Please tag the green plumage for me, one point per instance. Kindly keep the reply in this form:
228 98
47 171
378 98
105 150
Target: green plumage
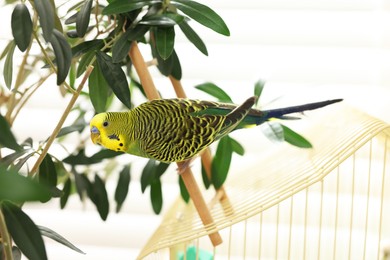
173 130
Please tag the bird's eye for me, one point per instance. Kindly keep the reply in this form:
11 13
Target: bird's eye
105 123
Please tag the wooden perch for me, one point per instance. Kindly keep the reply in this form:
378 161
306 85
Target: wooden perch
187 176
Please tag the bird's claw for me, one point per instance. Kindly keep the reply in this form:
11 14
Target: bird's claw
183 166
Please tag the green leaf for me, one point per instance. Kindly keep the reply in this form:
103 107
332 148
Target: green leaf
160 169
46 17
156 195
21 25
63 54
6 49
70 129
123 187
137 32
72 19
237 147
183 190
28 142
17 188
24 232
193 37
48 176
120 6
205 178
72 75
57 21
121 47
135 84
98 90
65 193
62 172
7 139
148 173
21 162
221 162
47 172
165 40
162 20
8 66
295 139
203 15
115 77
82 19
259 86
72 34
104 154
273 131
176 67
47 232
78 126
164 66
99 197
75 6
83 185
86 47
84 63
12 157
215 91
152 172
82 159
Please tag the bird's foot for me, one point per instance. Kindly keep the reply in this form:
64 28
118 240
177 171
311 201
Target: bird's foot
183 166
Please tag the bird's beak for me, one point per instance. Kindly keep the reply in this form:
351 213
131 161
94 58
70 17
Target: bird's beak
95 135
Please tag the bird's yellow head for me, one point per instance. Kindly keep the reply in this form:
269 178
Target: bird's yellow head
106 133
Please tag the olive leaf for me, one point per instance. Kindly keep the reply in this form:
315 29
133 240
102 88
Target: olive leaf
165 39
21 25
24 232
63 54
123 187
120 6
8 66
115 77
7 139
203 15
46 17
82 18
215 91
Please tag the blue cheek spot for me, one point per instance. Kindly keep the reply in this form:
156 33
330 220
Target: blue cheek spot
94 130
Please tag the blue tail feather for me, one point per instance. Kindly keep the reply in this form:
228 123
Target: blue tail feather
257 117
280 112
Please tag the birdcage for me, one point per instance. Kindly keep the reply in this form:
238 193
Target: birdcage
329 202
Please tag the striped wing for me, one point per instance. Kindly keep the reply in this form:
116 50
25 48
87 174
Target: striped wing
177 129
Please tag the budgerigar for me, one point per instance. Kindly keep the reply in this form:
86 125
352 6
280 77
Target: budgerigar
176 130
